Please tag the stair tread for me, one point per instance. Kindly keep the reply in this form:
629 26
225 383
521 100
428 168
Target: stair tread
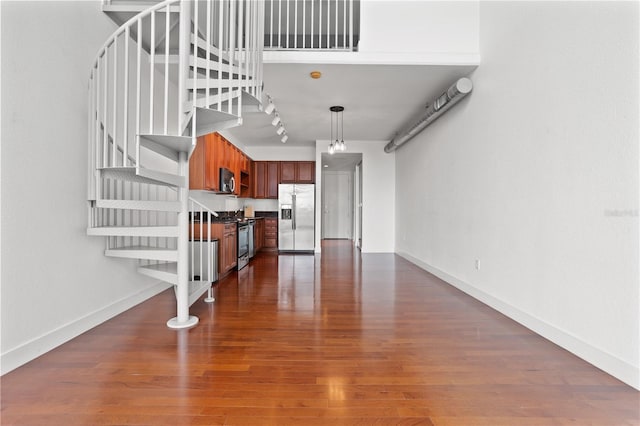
174 143
215 83
143 248
144 252
167 206
210 120
135 231
143 175
170 267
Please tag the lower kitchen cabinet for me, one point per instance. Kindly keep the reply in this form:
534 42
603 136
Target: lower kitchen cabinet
258 235
229 252
271 233
227 236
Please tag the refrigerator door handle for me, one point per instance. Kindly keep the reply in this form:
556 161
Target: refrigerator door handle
293 213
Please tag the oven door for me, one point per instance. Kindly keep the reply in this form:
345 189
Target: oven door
243 240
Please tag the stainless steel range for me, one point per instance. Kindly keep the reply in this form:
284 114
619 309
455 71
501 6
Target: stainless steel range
243 244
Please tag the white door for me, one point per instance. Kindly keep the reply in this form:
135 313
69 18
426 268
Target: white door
337 208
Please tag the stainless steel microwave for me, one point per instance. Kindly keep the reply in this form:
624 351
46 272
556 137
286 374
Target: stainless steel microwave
227 181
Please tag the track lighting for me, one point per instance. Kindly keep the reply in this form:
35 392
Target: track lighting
277 121
270 107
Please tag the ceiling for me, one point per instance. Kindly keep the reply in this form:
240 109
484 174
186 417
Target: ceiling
379 100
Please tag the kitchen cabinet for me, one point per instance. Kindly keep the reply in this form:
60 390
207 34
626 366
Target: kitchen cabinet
258 234
229 258
271 233
297 172
202 164
246 187
212 152
306 172
266 179
226 234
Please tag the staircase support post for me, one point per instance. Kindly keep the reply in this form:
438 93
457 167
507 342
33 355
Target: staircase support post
183 319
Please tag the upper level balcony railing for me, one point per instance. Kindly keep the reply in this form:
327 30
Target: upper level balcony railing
312 25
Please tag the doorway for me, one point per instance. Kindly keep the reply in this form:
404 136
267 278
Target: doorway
337 211
341 194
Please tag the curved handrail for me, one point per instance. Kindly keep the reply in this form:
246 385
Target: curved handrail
129 23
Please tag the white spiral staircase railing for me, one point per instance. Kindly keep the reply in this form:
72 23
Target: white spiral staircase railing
175 71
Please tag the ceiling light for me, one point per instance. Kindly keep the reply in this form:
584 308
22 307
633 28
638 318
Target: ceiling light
284 138
337 144
315 74
270 107
280 130
275 120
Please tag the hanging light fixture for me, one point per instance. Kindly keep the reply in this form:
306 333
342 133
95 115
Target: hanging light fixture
337 144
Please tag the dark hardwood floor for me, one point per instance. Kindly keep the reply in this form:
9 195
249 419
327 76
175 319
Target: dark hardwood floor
325 340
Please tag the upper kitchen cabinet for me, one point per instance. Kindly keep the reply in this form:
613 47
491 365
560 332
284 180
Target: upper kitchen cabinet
266 179
297 172
203 164
212 152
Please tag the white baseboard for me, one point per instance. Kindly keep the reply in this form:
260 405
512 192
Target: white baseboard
611 364
32 349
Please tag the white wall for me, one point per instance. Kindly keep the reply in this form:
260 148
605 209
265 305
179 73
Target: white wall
418 26
535 175
378 197
56 282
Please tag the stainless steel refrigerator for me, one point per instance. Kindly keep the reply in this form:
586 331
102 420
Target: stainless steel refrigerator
296 217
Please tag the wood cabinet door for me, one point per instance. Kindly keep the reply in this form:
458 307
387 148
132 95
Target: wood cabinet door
197 167
230 248
287 172
250 179
305 172
259 179
273 179
212 162
260 241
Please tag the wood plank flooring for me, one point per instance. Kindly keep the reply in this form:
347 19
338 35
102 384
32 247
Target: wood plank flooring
337 339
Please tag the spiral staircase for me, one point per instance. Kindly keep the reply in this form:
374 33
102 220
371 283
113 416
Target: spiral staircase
173 71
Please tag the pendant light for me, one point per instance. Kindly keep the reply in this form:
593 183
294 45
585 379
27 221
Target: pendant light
337 144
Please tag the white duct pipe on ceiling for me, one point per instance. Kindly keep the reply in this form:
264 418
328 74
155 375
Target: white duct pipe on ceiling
435 109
